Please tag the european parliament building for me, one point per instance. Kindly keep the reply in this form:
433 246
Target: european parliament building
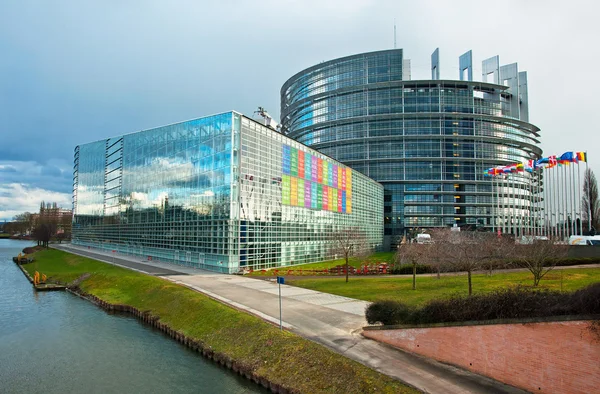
427 141
223 193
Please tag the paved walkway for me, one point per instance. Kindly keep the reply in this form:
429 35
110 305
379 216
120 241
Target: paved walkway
331 320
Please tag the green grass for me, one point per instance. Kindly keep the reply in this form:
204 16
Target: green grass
279 356
374 288
379 257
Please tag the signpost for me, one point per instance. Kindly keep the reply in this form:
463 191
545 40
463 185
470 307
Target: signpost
280 281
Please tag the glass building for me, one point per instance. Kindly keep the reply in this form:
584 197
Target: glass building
427 141
223 193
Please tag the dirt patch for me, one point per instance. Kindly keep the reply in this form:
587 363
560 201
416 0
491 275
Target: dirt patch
32 249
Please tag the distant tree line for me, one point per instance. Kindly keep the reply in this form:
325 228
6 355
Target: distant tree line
51 222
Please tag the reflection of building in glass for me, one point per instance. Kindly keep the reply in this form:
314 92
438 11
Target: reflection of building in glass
427 141
222 192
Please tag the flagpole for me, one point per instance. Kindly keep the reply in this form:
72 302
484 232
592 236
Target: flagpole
538 204
588 196
512 209
548 195
504 205
557 201
579 198
530 228
565 205
546 216
574 191
493 206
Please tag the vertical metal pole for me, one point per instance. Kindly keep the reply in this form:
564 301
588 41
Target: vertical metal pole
564 203
588 196
579 199
556 187
574 203
513 221
493 206
280 323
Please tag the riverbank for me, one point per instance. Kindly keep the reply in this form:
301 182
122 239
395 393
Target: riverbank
246 343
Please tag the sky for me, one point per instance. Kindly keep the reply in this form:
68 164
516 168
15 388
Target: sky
73 72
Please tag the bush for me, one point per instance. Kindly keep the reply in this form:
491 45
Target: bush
513 303
407 269
585 301
387 312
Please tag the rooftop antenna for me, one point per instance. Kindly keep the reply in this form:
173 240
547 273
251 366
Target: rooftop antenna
394 33
267 118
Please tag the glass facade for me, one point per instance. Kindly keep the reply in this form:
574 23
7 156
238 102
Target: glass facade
221 193
428 142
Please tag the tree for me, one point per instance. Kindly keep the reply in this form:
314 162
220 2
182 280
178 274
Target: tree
350 242
413 253
23 222
466 250
44 231
540 257
590 202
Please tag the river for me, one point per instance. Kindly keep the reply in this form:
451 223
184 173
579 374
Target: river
55 342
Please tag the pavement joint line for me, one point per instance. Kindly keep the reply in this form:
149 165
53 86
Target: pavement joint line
237 305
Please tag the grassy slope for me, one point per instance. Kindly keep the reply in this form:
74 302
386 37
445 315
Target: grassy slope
281 357
379 257
400 287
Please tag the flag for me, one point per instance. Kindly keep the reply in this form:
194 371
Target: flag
519 167
567 157
529 165
552 162
581 156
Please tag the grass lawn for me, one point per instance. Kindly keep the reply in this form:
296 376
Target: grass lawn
279 356
373 288
379 257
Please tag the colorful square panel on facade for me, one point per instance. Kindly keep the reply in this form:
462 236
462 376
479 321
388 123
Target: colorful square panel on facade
286 159
307 194
300 192
285 190
319 170
319 196
307 166
294 162
294 191
335 176
300 164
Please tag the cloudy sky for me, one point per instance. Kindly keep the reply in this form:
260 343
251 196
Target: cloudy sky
75 71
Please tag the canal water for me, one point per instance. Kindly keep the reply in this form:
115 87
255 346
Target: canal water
55 342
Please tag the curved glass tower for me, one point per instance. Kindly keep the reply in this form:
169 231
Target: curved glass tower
427 141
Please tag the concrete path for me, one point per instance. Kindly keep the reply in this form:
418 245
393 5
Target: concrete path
331 320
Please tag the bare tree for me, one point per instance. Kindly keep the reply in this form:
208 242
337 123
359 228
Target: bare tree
540 257
350 242
590 202
413 253
23 222
466 250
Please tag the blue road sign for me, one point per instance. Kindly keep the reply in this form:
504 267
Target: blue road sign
281 280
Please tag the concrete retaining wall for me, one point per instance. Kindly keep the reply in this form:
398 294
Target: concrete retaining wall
549 357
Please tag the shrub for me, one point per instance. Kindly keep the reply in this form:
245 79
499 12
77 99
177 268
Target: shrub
407 269
512 303
586 301
387 312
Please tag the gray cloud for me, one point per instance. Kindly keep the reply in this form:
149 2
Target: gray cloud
7 168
